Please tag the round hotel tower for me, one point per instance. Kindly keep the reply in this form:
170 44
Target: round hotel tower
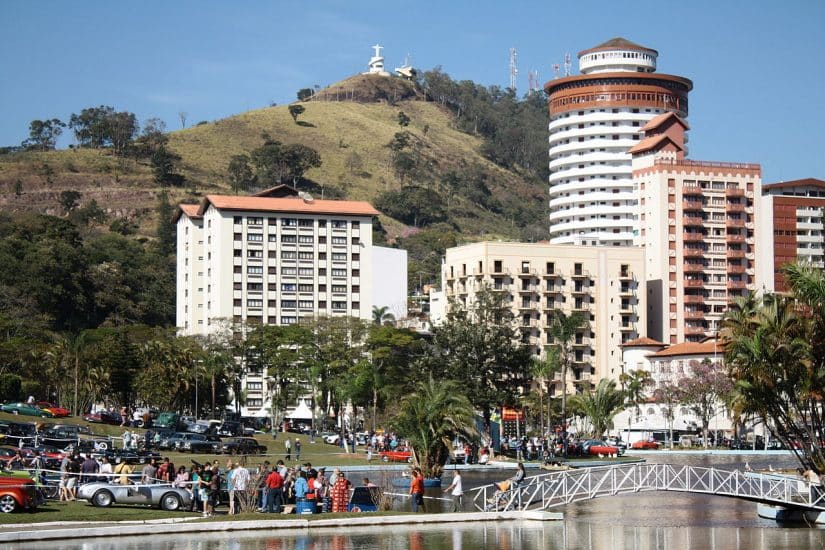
595 118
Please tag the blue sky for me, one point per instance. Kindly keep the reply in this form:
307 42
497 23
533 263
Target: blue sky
758 66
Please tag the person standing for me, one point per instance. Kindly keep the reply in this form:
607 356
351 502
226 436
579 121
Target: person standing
288 446
147 475
340 492
240 482
456 490
297 450
106 469
123 470
275 492
417 490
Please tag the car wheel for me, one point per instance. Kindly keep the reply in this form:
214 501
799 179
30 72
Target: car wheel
170 502
103 446
103 498
7 504
409 459
15 412
385 458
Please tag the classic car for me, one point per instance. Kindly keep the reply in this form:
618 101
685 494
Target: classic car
201 444
27 409
243 446
56 410
644 444
17 433
398 455
103 417
17 491
599 448
106 494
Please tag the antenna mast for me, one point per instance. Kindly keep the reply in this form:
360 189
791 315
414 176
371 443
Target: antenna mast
513 69
533 79
567 64
556 68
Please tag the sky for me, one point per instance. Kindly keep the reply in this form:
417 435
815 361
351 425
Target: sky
758 66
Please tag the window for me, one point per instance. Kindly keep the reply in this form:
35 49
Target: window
238 236
306 255
356 241
254 287
339 224
356 272
322 223
355 257
272 270
339 272
284 321
288 271
250 402
356 289
339 240
237 302
237 253
306 272
289 222
288 239
254 254
305 304
306 288
339 288
255 270
255 304
255 221
288 255
236 220
254 386
237 269
272 303
288 287
306 239
305 223
339 257
322 240
288 304
255 237
339 306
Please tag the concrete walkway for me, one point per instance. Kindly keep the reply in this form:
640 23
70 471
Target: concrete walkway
20 533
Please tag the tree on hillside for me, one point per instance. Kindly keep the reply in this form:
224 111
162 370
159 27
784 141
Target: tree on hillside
121 130
295 111
241 176
43 134
403 119
412 205
304 94
69 200
164 163
275 162
102 126
152 138
166 229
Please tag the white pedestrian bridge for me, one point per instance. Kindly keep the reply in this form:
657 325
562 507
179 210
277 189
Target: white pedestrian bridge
551 490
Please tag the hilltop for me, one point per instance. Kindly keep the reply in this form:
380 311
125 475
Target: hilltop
351 124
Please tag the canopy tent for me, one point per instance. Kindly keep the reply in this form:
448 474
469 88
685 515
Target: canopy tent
302 412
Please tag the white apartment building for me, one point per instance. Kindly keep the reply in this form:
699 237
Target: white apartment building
595 118
606 284
274 258
697 225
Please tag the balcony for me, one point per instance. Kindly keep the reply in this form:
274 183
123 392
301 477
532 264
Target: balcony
737 285
736 223
695 315
525 272
528 306
694 299
736 269
500 271
694 267
583 307
550 306
626 290
734 207
693 221
625 276
694 283
553 275
735 238
734 253
692 205
694 252
581 274
693 236
582 342
627 327
528 289
553 289
528 323
581 290
734 192
689 330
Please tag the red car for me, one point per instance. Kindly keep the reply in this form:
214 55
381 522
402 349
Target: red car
399 455
103 417
17 491
649 445
56 410
599 448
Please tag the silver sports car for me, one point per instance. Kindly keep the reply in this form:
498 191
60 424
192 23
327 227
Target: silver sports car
106 494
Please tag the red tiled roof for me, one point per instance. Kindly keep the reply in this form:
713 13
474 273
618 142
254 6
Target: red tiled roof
287 204
691 348
190 210
281 190
812 182
653 142
658 120
642 342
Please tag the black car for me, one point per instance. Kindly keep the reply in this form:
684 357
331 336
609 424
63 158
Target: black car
243 446
130 456
17 434
205 444
230 428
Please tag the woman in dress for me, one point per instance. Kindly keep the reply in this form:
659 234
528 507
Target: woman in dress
340 492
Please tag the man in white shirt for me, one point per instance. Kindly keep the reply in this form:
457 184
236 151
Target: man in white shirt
456 490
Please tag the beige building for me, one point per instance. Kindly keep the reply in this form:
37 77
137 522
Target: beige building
606 284
697 226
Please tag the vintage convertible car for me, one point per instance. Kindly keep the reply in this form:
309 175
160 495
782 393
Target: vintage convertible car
106 494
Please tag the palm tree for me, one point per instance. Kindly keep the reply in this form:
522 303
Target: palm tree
600 405
634 385
544 370
382 315
563 329
431 418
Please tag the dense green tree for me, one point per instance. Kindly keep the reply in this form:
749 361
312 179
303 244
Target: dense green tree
102 126
403 119
635 385
69 200
166 229
241 176
562 332
599 406
478 345
276 163
431 417
295 111
412 205
304 94
164 163
43 134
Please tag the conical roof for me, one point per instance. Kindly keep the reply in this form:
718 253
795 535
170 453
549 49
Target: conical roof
619 43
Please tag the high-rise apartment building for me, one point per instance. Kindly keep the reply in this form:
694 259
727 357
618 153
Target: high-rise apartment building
605 284
697 227
274 258
595 118
797 233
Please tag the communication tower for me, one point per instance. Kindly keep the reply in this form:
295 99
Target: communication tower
513 69
567 64
533 80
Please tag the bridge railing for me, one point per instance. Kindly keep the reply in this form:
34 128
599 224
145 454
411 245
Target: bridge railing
558 488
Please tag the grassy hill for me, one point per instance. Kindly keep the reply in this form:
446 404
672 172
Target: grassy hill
364 126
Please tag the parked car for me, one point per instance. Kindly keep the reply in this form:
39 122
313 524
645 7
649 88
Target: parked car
17 491
56 410
599 447
17 433
398 455
130 456
230 428
331 438
202 444
645 445
168 420
201 427
26 409
106 494
171 440
103 417
243 446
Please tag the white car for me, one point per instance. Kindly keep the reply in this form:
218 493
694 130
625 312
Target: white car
332 439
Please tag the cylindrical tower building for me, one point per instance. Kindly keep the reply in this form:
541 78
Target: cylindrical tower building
595 118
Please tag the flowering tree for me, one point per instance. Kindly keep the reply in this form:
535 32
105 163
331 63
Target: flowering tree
703 390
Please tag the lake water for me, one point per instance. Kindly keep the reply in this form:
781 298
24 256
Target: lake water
643 521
